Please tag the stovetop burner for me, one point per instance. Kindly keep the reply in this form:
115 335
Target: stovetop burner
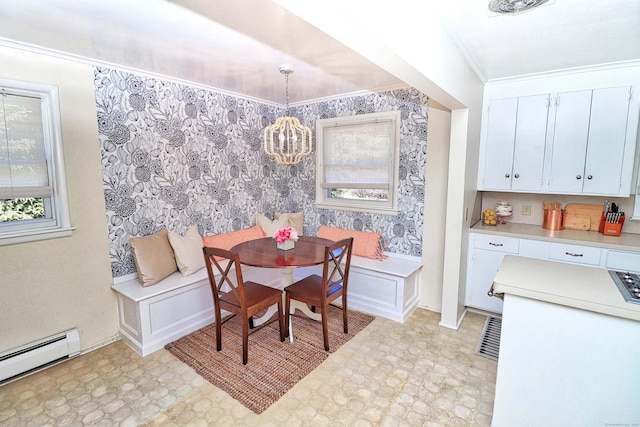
629 285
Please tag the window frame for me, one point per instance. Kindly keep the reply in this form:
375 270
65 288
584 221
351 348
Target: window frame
389 207
58 225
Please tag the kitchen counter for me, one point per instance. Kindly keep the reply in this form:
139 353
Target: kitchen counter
626 241
577 286
568 347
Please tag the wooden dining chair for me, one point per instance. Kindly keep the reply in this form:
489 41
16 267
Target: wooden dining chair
233 294
319 291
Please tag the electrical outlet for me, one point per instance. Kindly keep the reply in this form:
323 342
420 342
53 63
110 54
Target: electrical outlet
526 209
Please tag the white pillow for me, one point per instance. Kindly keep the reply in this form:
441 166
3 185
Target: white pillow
270 227
188 250
296 220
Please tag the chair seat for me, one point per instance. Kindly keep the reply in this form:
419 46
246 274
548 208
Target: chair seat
256 294
309 289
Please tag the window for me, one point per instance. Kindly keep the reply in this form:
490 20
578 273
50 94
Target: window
33 200
357 162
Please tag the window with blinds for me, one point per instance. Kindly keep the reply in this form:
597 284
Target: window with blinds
357 160
33 204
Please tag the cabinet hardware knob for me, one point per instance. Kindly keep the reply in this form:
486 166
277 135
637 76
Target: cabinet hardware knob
495 244
570 254
578 176
517 175
589 176
506 175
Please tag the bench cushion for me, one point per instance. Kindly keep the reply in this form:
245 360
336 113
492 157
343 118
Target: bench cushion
365 243
153 257
232 238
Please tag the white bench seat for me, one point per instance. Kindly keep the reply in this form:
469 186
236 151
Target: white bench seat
153 316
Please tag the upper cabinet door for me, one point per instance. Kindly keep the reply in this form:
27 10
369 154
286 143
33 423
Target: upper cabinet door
499 144
530 142
607 139
515 143
570 141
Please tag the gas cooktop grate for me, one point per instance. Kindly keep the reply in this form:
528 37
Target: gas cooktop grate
489 345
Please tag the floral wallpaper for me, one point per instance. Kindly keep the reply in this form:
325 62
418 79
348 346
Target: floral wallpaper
175 155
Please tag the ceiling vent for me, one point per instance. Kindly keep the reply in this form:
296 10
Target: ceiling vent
514 6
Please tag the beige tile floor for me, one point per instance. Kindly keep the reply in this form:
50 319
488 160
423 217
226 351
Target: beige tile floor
390 374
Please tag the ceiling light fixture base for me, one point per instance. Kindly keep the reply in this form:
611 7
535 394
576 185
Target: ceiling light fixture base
511 7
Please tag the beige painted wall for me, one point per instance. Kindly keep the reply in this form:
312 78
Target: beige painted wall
435 208
53 285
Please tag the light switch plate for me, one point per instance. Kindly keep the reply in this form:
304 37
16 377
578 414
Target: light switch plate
526 209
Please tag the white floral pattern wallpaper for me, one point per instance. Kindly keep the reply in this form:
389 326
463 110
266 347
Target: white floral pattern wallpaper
175 155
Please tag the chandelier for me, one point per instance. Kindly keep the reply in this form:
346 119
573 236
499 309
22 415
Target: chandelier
287 140
514 6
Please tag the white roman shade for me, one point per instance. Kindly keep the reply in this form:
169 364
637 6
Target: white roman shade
358 155
23 159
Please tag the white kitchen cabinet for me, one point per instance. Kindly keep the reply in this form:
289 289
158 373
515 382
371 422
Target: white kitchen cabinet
515 142
485 256
590 141
486 252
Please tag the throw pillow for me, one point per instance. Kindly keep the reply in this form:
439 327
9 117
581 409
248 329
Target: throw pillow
153 257
365 243
296 220
232 238
270 227
187 250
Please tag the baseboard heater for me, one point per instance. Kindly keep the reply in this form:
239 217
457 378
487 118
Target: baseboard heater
39 354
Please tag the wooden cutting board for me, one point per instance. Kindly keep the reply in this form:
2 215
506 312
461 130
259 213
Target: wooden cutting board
594 212
577 222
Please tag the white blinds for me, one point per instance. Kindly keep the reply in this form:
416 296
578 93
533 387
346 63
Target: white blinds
358 155
23 161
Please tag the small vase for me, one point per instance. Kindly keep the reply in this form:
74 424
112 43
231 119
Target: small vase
286 245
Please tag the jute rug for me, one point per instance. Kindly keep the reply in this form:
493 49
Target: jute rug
273 367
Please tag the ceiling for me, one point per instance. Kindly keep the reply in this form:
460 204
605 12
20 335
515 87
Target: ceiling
238 46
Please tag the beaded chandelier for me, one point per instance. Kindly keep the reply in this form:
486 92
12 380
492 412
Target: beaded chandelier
287 140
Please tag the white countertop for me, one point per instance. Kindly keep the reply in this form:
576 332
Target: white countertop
626 241
586 288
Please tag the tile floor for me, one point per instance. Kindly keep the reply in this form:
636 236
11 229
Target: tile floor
391 374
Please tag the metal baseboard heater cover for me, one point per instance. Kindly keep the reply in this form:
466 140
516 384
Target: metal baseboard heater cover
39 354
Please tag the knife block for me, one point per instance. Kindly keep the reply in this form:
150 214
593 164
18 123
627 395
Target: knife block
611 228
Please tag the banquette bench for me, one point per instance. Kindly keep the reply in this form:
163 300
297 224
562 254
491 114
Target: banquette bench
153 316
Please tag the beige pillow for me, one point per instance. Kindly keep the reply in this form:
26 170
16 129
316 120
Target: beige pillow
153 257
296 220
188 250
269 227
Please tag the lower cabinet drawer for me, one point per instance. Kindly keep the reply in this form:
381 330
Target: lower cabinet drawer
575 254
623 261
496 243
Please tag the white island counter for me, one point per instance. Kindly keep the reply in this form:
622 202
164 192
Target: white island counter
569 349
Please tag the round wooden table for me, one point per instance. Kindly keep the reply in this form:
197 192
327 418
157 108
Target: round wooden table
308 251
263 252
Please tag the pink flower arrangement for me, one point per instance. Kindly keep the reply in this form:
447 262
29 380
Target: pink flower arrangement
284 234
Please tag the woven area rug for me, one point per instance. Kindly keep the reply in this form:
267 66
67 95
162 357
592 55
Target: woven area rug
273 367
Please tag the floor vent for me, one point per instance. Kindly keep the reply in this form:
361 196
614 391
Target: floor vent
489 345
39 354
